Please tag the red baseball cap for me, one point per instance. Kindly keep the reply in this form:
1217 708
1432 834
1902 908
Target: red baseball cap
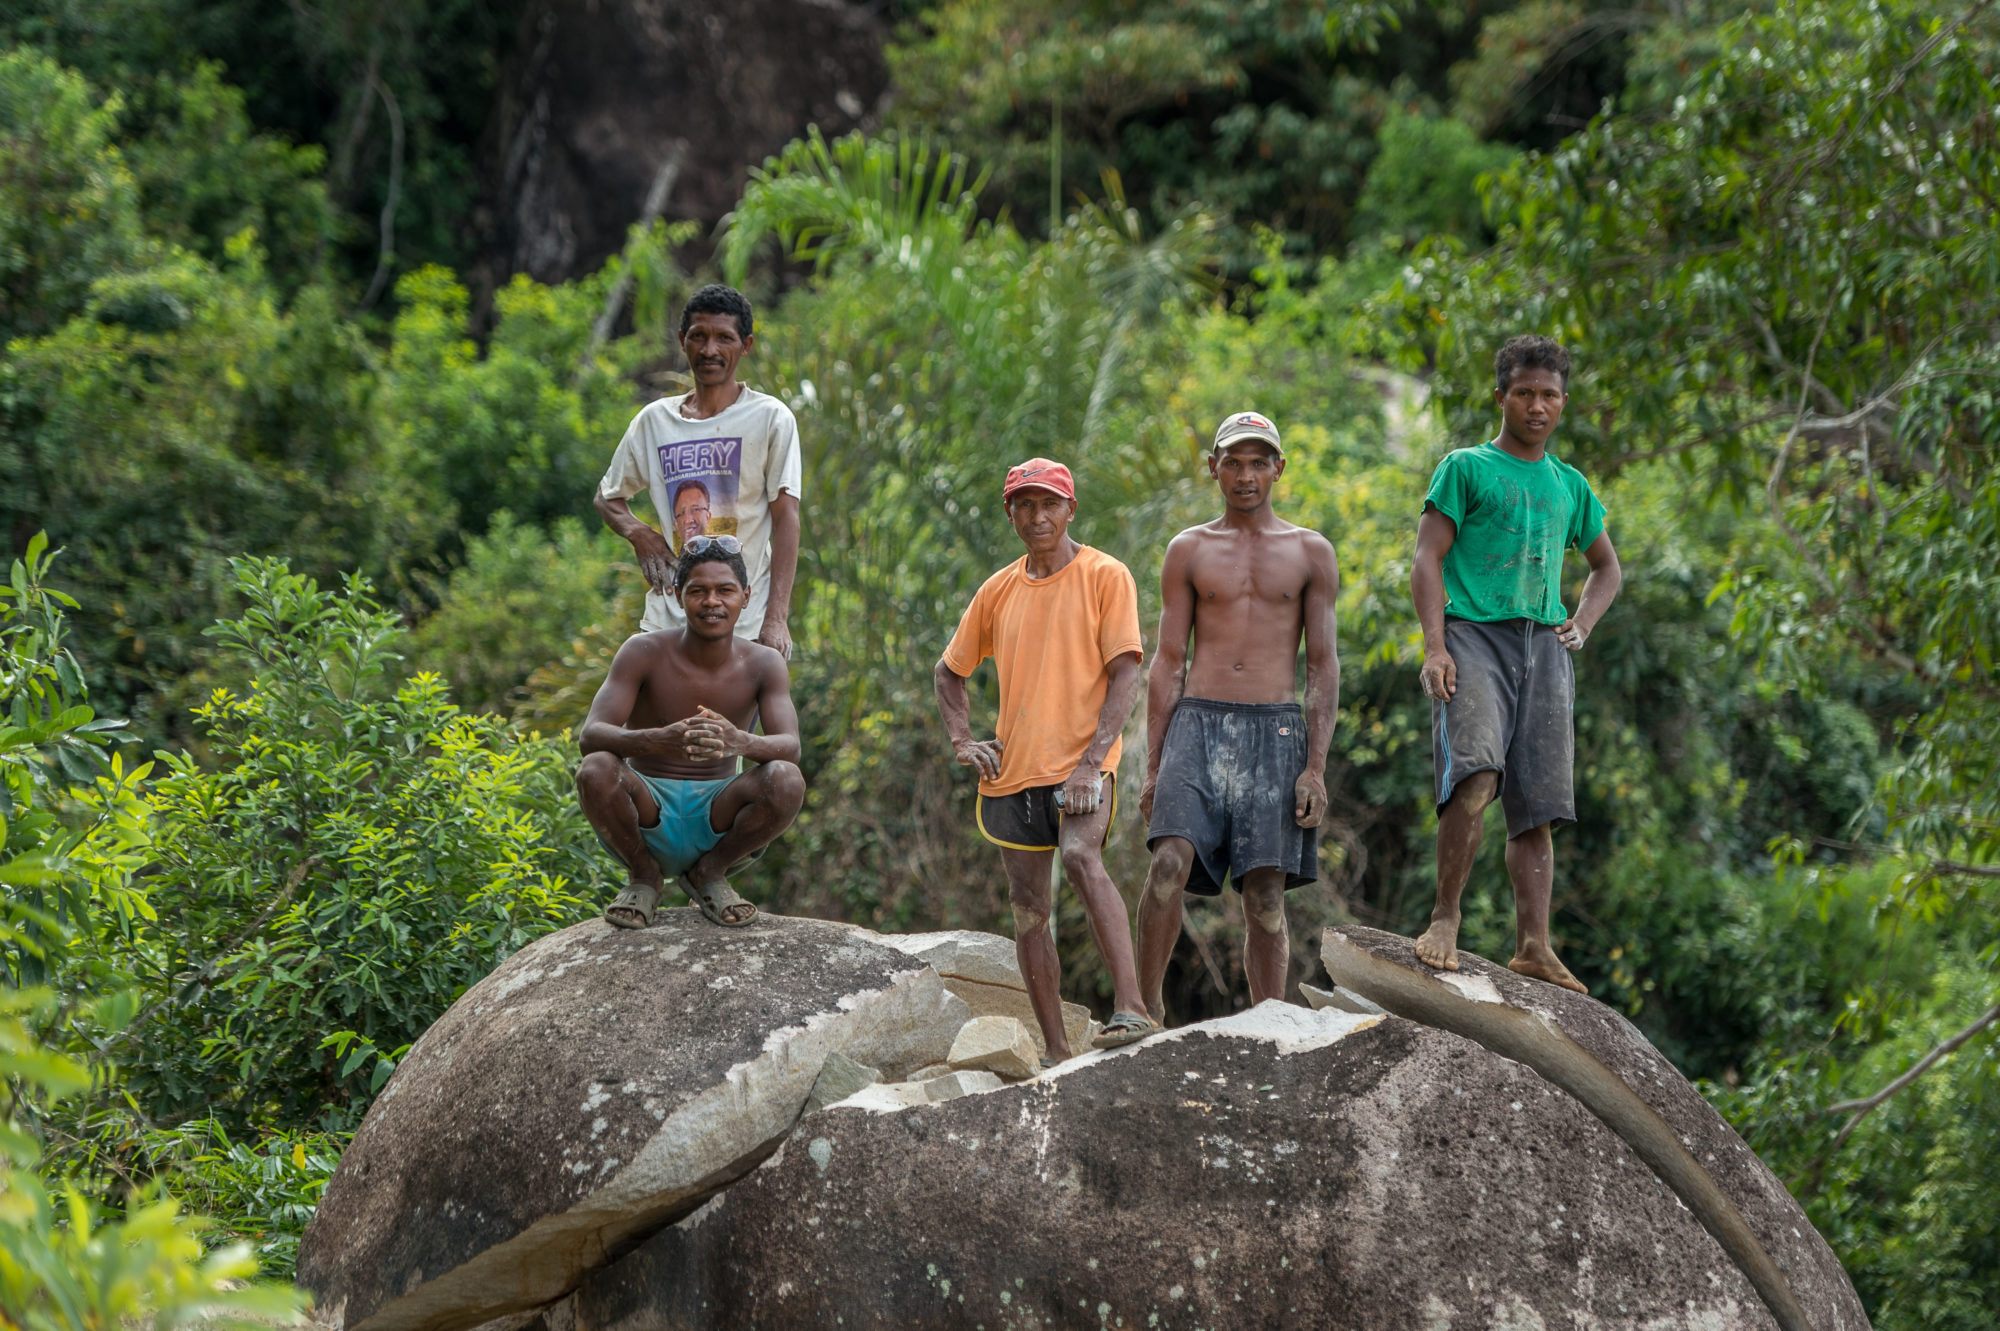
1039 474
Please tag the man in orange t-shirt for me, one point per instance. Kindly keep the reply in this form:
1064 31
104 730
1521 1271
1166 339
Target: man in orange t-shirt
1062 626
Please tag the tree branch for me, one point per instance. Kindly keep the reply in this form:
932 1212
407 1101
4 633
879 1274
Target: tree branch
387 254
1969 870
1863 1107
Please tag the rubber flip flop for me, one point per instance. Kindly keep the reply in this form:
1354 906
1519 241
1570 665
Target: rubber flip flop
638 898
1125 1028
717 897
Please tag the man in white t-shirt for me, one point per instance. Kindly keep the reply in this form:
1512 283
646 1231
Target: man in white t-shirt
720 461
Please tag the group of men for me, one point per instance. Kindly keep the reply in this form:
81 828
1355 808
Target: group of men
1235 782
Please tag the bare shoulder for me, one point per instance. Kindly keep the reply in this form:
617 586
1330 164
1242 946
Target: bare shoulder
641 650
764 664
1314 541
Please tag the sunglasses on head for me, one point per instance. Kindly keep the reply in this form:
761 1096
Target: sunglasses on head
729 545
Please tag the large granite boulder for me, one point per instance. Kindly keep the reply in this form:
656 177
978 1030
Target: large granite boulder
1602 1060
599 1084
1277 1168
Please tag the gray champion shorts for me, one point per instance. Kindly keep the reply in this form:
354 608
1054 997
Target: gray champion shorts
1511 715
1227 783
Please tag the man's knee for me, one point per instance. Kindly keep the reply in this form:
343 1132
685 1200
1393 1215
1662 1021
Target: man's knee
1264 906
1473 793
1030 915
1172 859
1080 861
597 774
784 785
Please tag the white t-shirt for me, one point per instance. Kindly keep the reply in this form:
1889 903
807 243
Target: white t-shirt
710 477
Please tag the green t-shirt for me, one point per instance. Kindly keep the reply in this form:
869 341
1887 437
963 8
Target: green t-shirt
1514 521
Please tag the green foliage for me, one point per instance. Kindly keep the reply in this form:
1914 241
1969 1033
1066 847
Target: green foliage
518 603
64 1264
68 206
349 859
525 425
66 1267
262 1192
56 874
1424 181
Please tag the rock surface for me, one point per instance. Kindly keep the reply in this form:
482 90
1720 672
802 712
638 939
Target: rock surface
598 93
981 969
838 1078
995 1044
1277 1168
599 1084
1601 1059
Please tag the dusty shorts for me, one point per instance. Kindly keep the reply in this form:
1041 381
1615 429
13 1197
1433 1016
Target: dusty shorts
1029 819
1228 784
1511 715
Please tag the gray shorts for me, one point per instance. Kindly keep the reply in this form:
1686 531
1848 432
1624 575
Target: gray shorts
1227 783
1511 715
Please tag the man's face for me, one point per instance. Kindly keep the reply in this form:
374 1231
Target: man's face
690 513
1041 518
712 598
1246 471
1532 404
713 346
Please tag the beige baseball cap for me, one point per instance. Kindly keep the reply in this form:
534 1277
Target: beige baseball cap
1246 425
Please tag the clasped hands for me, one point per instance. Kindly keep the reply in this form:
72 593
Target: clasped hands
706 737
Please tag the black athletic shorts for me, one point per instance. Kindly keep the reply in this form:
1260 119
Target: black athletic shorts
1511 714
1228 783
1029 819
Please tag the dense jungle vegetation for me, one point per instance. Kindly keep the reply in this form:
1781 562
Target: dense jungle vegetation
306 590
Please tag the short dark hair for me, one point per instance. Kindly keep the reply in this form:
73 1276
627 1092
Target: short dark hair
691 560
717 299
1530 351
685 486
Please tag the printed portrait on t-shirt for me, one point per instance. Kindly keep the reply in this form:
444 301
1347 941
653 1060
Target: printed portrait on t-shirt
701 477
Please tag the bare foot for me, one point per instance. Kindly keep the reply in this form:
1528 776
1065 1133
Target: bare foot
1538 961
1156 1008
1438 947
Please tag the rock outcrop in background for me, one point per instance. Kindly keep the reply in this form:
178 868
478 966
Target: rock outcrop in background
600 94
683 1127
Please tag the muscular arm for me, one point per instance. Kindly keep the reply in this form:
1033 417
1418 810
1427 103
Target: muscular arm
656 561
1169 677
956 709
1435 534
1600 589
776 632
780 740
604 729
1322 679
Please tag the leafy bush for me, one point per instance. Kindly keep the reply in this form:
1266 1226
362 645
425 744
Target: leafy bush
348 860
518 603
64 1267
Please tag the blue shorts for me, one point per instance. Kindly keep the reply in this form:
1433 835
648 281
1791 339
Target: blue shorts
684 833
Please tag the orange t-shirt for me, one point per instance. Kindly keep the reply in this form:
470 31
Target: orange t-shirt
1051 640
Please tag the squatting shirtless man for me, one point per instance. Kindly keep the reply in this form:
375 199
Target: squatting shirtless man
1235 771
1487 582
661 744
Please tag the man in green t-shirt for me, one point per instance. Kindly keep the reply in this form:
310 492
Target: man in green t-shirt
1487 580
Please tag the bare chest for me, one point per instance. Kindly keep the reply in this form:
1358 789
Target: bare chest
674 691
1261 577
